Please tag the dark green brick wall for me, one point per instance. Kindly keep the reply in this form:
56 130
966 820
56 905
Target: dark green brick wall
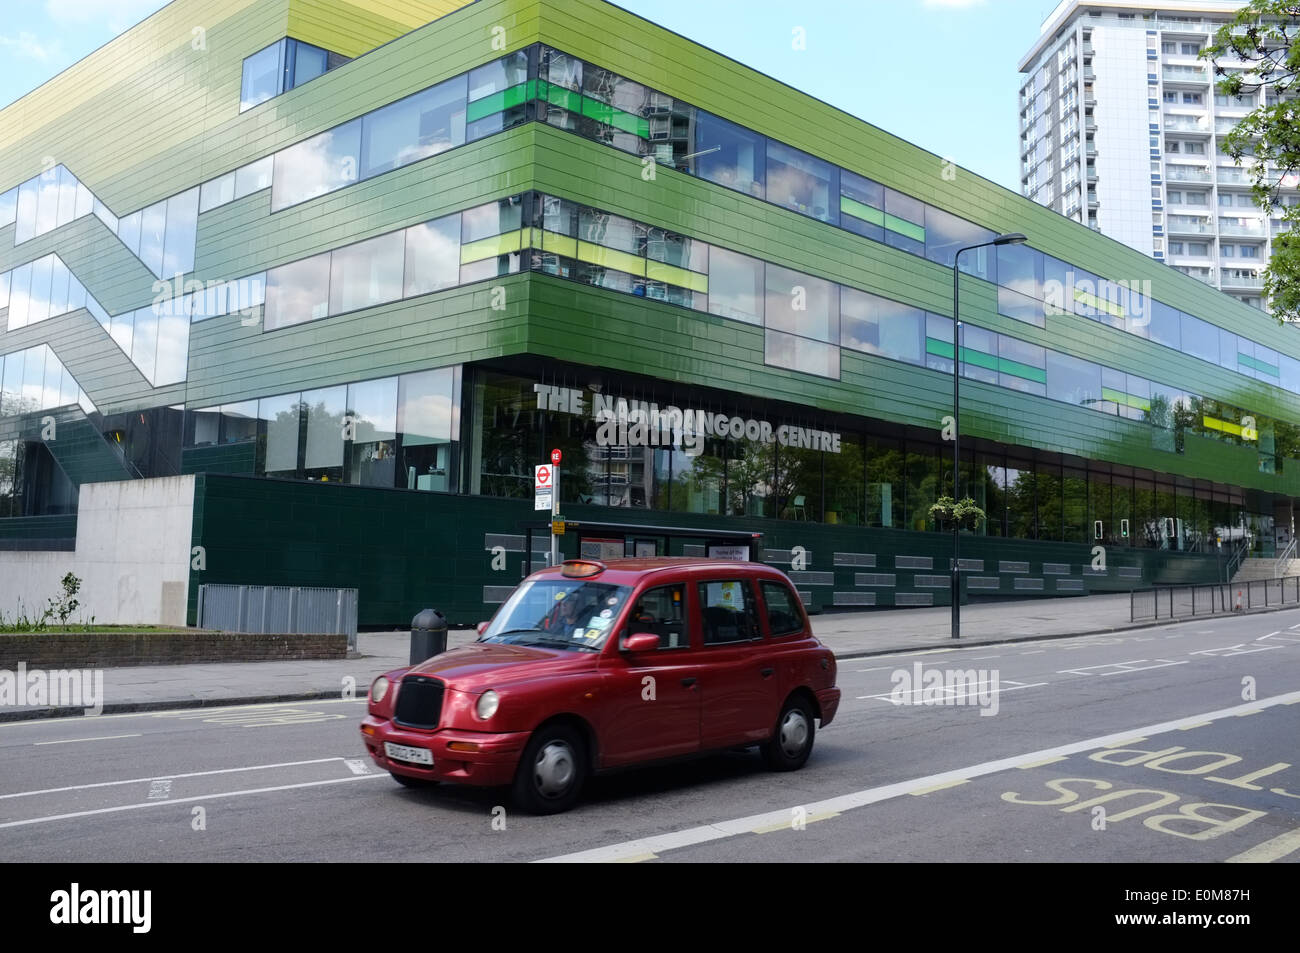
405 550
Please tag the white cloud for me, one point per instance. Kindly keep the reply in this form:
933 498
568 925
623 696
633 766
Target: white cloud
115 15
28 46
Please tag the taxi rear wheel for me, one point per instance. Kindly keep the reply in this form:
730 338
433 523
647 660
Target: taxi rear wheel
552 771
792 737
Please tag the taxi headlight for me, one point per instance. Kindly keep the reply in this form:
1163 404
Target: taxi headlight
487 704
378 689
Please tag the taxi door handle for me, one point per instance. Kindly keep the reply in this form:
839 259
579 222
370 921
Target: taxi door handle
689 682
766 672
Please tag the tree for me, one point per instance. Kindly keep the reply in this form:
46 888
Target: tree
1258 52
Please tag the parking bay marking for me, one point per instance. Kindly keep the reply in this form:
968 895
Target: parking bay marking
720 830
169 777
47 722
182 800
1120 667
952 696
70 741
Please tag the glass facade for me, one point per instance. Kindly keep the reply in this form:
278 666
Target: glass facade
280 67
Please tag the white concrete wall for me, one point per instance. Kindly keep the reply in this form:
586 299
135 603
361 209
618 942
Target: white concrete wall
132 555
1123 135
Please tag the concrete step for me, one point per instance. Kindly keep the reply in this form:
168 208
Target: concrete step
1265 567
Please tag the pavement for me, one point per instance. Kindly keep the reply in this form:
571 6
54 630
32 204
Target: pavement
849 634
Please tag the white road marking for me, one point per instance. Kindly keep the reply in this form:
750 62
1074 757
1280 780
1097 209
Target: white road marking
184 800
38 722
357 765
160 790
72 741
980 658
652 846
192 774
1228 651
1120 668
1035 652
954 697
879 668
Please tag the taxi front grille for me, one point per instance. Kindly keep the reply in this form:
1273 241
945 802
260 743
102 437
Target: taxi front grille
419 702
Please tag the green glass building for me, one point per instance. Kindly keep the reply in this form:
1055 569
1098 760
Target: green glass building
358 266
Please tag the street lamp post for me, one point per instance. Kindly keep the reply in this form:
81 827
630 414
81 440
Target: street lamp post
1011 238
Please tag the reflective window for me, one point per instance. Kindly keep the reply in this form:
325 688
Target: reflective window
182 233
802 183
497 96
945 234
432 256
979 354
153 235
128 230
8 207
263 76
728 154
801 354
254 177
862 206
317 165
879 326
425 407
173 345
144 343
372 416
1022 366
308 63
802 304
297 292
1021 307
325 410
414 128
1073 380
367 273
280 416
217 192
1199 338
39 300
736 287
904 222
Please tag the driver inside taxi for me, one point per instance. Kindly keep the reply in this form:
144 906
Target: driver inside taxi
564 618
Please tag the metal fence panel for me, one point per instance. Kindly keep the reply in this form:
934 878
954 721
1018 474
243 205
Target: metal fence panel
288 609
1186 602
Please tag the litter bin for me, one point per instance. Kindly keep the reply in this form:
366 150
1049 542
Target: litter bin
428 635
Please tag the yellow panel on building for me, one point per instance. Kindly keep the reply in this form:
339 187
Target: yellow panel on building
354 27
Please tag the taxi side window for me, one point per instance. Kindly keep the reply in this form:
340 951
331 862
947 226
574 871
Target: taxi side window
783 616
662 612
727 612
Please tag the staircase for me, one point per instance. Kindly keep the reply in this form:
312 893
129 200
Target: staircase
1285 563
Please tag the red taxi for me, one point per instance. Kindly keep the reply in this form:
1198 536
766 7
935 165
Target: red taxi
592 666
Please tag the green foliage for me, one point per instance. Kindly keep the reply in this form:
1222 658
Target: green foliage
966 514
59 607
1265 38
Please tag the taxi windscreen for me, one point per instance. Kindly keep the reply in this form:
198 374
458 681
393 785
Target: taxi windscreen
572 614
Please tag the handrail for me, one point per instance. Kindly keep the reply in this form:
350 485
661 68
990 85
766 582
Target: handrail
1287 555
1235 559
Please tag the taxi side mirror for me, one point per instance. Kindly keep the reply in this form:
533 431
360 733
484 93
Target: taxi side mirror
641 642
482 627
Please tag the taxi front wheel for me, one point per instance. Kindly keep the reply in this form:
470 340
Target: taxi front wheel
551 772
792 737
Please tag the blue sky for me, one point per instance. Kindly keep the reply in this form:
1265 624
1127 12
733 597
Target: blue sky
940 73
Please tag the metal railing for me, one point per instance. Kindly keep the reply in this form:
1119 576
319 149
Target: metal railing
1284 559
279 609
1238 553
1186 602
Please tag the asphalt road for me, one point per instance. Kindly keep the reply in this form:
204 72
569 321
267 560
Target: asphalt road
1179 743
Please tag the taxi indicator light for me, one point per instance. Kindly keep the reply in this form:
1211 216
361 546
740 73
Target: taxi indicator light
581 568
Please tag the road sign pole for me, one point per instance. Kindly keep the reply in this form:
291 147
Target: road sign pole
555 511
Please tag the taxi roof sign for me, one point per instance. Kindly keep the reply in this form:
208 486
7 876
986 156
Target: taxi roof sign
581 568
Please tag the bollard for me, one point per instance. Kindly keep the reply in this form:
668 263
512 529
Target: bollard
428 635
